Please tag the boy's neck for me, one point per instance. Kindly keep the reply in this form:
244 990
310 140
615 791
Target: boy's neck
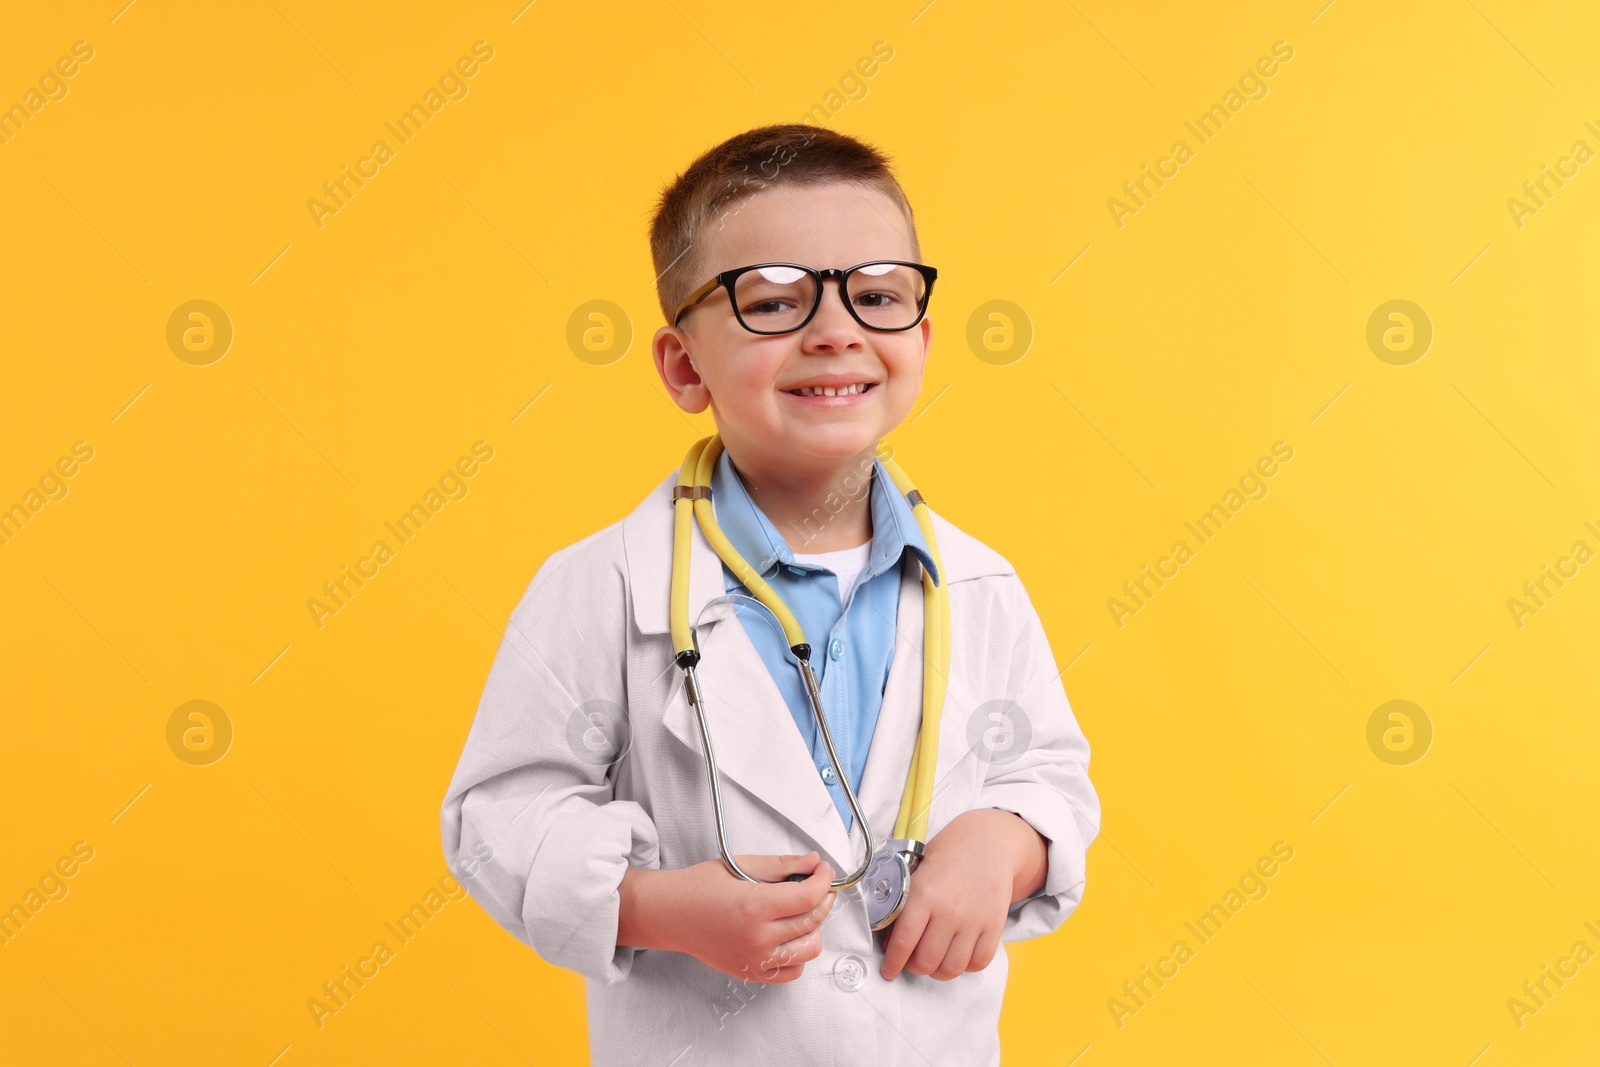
822 510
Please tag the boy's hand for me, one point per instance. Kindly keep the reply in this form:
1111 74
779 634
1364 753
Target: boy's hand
756 933
973 870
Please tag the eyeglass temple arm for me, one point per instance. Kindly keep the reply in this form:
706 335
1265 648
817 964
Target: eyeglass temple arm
695 297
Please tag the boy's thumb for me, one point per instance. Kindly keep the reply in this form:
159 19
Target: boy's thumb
780 868
805 867
800 867
784 868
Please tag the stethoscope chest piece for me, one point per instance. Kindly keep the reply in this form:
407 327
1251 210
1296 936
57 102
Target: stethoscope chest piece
888 881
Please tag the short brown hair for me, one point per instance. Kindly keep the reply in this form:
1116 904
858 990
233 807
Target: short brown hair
744 165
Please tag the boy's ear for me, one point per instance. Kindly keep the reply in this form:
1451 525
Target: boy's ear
926 326
677 371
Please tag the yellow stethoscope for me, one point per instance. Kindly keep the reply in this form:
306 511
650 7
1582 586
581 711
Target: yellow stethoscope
885 873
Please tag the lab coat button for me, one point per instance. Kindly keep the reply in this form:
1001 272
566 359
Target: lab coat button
835 649
849 973
828 775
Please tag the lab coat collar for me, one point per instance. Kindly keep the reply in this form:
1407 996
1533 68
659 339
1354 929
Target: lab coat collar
647 543
894 527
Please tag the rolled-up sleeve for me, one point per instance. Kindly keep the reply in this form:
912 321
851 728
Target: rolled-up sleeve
530 824
1046 780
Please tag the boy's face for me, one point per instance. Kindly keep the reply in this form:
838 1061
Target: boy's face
750 381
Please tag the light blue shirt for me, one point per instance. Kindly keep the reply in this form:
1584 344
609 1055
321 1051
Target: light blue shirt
852 642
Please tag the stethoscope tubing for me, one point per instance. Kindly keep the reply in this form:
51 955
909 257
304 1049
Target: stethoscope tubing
692 689
692 506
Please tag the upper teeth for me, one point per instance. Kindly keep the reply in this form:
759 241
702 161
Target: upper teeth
825 390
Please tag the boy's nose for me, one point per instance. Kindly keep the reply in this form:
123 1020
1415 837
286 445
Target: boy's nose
832 328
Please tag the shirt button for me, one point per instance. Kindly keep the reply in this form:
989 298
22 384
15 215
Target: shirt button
849 973
828 775
835 649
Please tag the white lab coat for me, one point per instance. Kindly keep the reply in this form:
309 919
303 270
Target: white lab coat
559 827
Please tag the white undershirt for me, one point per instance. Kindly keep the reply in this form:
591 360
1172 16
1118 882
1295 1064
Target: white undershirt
847 564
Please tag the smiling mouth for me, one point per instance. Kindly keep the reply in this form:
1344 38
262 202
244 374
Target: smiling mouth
828 390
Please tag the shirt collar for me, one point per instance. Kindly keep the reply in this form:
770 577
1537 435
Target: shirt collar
894 527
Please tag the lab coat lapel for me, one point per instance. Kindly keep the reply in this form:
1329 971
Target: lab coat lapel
899 718
753 734
895 736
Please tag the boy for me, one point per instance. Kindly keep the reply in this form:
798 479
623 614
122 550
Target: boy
583 779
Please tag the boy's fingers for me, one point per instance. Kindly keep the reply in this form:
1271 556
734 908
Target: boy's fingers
804 922
983 952
903 938
782 974
799 950
957 956
932 947
795 899
789 956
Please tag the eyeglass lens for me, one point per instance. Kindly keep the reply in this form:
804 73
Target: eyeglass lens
885 296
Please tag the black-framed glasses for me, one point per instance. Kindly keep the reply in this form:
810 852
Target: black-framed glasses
772 298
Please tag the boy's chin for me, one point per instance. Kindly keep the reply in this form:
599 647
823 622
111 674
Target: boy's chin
832 442
815 450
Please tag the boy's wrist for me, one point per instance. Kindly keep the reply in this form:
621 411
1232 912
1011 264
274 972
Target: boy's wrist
1023 846
639 918
1032 860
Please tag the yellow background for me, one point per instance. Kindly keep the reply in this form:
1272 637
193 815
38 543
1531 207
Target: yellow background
1227 314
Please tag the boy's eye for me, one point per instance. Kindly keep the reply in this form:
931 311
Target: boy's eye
773 306
878 299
